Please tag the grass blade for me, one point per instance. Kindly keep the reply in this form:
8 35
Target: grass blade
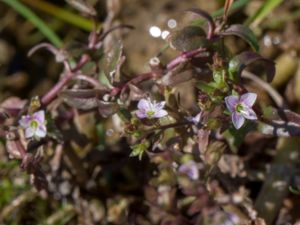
35 20
61 14
262 12
235 6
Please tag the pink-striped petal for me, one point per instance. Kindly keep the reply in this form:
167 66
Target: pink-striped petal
248 99
160 105
25 121
161 113
141 114
144 104
238 120
39 116
231 102
29 132
41 131
249 113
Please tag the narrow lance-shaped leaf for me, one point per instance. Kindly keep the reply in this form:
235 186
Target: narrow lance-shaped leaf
243 32
89 99
82 99
241 61
111 64
262 12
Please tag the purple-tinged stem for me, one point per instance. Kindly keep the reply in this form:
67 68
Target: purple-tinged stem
52 93
135 80
88 79
184 57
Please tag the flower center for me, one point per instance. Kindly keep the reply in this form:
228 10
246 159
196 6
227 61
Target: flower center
34 124
150 113
239 108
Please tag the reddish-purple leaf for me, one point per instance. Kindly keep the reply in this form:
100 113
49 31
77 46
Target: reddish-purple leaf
188 38
88 100
106 109
172 79
243 32
203 140
208 18
241 61
81 99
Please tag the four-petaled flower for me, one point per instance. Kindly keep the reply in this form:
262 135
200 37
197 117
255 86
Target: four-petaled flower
190 169
34 125
150 110
241 108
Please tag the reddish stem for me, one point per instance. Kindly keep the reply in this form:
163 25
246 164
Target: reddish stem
135 80
52 93
184 57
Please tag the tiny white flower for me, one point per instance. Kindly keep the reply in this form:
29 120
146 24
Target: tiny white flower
34 125
241 108
150 110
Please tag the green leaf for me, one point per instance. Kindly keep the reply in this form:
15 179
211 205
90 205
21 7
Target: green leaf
35 20
139 149
206 87
243 32
262 12
294 190
219 78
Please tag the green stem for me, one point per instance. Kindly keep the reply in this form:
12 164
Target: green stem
35 20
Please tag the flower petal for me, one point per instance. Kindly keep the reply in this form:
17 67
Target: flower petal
159 105
248 113
41 131
161 113
144 104
39 116
231 102
248 99
29 132
141 114
190 169
238 120
25 121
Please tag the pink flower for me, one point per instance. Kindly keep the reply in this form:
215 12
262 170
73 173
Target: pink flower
241 108
194 119
34 125
150 110
190 169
